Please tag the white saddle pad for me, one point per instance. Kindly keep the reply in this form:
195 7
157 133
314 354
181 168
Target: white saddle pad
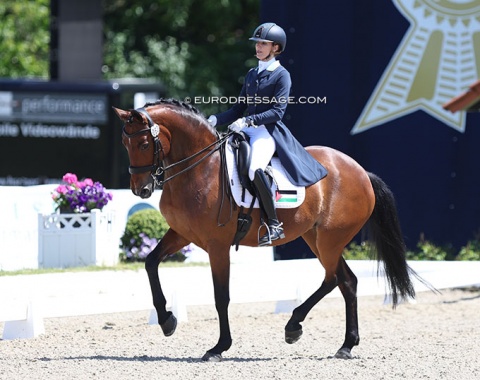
287 195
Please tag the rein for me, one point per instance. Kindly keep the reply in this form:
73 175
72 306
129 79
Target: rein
219 143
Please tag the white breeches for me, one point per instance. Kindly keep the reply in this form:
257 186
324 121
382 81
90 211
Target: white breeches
263 148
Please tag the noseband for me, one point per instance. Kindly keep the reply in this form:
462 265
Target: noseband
156 170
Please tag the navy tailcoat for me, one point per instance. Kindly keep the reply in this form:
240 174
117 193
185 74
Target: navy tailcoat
264 97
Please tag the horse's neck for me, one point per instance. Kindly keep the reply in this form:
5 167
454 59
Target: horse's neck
187 142
199 173
187 139
184 134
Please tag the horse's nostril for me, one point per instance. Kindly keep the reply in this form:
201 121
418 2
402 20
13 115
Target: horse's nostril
145 193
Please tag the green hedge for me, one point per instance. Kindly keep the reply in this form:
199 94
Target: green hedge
426 250
146 227
143 230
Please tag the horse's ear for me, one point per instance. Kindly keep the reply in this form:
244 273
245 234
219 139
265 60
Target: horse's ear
123 115
137 115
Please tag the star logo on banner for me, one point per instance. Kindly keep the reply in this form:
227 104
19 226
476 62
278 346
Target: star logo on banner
438 58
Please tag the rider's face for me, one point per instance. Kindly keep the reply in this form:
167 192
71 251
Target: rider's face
264 50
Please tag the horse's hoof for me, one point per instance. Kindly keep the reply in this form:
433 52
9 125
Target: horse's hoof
169 326
293 336
212 358
343 353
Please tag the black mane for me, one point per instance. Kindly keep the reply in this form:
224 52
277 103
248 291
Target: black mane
184 108
174 102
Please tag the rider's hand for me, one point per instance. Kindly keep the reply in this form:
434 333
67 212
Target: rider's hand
212 120
238 125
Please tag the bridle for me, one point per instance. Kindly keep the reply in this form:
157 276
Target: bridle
154 129
157 169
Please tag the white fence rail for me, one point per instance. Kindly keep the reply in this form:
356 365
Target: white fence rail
255 277
31 298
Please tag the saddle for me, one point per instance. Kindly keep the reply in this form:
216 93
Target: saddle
237 159
243 157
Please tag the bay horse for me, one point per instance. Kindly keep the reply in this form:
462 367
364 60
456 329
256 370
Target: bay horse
174 138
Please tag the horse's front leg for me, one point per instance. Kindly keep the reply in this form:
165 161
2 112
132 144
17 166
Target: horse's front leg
220 266
169 244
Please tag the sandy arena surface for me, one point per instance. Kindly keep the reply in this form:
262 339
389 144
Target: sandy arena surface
434 338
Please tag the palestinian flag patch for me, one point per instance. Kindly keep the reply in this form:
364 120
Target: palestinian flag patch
286 196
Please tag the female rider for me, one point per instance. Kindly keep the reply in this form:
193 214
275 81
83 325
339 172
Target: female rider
264 97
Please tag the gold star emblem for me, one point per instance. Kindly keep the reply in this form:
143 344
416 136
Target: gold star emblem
438 58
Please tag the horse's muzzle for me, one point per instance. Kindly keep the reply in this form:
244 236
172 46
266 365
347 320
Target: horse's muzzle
145 192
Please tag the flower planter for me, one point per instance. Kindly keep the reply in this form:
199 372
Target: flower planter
73 240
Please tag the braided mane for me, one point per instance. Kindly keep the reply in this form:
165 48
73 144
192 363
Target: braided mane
185 109
174 102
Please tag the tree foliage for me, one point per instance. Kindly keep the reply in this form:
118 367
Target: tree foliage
24 38
194 47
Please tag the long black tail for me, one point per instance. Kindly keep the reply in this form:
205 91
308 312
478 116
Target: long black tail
387 239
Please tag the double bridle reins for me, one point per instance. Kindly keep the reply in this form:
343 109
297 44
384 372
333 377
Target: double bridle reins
157 169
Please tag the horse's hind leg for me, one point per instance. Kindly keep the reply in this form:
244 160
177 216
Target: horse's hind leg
293 329
338 273
347 283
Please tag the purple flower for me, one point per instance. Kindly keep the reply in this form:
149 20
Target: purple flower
140 248
80 196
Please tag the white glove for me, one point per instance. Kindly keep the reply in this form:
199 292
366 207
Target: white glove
238 125
212 120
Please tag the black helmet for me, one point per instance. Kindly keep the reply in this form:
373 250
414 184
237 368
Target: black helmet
270 32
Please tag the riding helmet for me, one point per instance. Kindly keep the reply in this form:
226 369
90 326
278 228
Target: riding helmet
270 32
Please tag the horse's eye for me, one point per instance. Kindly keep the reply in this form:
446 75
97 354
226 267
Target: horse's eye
144 146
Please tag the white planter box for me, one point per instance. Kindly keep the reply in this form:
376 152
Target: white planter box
73 240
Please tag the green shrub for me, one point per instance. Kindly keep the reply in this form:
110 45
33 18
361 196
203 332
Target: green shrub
149 221
471 252
354 251
429 252
426 250
143 230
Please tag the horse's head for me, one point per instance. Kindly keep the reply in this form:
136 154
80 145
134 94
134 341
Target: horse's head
147 136
146 148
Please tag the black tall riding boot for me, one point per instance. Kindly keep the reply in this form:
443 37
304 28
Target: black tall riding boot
264 194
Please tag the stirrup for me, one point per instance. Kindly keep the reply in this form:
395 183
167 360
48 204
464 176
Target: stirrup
274 232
